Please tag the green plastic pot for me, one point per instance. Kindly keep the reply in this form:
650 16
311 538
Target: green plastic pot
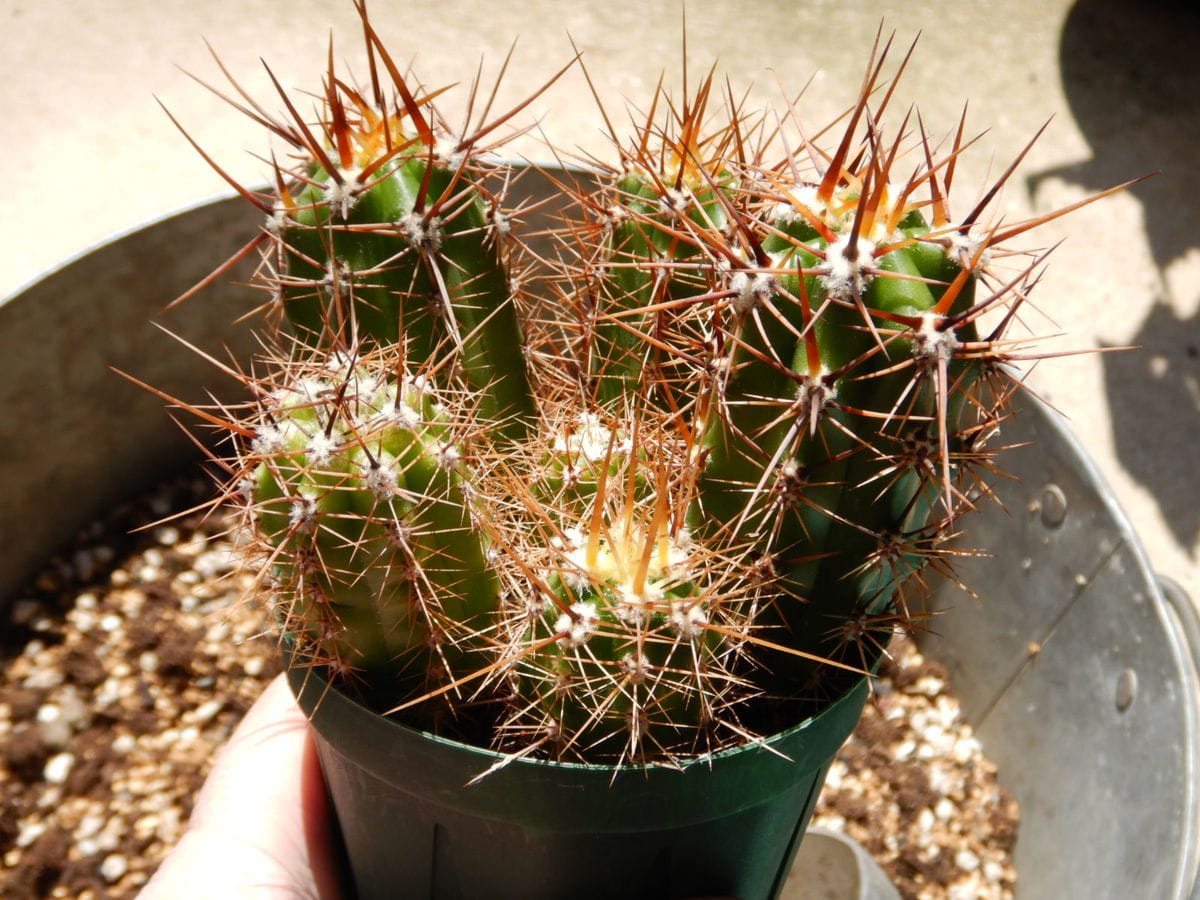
727 825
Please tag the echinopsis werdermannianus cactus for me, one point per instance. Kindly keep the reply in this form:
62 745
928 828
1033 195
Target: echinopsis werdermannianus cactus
667 500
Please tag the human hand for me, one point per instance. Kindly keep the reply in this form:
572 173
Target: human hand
260 827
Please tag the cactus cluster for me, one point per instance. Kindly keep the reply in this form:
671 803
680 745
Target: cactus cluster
646 494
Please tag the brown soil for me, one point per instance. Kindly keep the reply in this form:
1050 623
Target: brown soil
132 657
913 786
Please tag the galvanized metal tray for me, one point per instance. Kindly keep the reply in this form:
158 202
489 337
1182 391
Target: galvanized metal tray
1077 668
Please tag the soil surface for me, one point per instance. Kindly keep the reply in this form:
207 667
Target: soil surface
131 658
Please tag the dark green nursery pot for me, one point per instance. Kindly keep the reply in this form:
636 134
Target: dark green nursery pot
725 826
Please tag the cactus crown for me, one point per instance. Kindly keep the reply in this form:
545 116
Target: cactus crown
651 492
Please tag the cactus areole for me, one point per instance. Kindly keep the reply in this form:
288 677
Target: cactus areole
657 485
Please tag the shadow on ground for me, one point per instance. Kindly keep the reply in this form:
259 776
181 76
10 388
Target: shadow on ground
1131 73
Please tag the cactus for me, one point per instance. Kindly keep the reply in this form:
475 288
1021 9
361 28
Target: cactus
356 491
675 499
395 241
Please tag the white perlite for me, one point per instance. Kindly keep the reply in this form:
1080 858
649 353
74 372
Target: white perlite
58 767
114 867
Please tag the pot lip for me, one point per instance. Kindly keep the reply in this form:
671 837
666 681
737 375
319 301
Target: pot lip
115 237
305 678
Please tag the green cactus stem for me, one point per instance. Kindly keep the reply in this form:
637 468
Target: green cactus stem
409 251
671 502
388 230
819 326
358 488
632 631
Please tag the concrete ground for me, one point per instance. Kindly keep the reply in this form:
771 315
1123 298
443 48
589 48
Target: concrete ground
88 151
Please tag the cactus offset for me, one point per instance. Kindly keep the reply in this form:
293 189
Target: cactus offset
665 506
355 490
388 235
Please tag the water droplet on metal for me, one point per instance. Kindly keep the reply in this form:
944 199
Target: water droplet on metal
1126 689
1054 506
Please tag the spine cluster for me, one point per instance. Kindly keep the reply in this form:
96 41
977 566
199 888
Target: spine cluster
687 485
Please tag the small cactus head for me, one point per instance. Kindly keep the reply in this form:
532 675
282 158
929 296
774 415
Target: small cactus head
354 482
671 496
627 632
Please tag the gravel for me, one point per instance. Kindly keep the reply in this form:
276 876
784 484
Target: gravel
913 786
131 658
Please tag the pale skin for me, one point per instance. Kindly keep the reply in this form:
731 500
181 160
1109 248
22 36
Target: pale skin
260 827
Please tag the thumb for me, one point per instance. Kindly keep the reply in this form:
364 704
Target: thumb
260 827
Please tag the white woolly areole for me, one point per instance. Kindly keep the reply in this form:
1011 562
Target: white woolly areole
723 265
635 666
372 393
320 448
446 151
342 193
676 201
721 367
789 470
965 246
448 456
379 475
845 278
577 572
752 290
277 220
932 344
285 435
303 514
818 385
570 475
681 546
423 233
578 625
387 405
416 388
569 539
310 390
501 223
614 216
589 438
269 440
688 618
813 394
338 365
787 211
402 415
